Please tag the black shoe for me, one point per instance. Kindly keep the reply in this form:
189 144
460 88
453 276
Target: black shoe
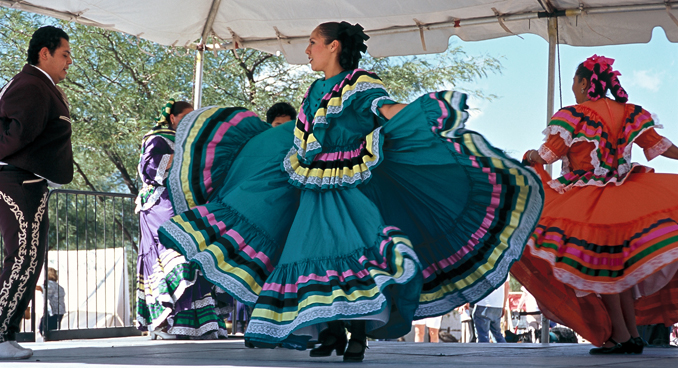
357 356
640 344
331 342
628 347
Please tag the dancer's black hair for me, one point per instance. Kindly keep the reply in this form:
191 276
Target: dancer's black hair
352 40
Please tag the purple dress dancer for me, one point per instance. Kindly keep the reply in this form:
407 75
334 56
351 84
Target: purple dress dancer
172 298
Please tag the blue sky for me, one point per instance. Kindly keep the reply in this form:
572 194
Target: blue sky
515 120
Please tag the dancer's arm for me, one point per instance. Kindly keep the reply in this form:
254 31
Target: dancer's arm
672 152
534 157
391 110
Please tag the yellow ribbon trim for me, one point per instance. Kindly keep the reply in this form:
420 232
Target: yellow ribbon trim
336 172
314 299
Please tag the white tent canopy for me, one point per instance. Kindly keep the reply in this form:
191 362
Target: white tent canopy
396 27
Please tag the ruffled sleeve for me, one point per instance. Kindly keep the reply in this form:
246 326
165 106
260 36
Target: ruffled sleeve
559 134
362 91
376 100
652 143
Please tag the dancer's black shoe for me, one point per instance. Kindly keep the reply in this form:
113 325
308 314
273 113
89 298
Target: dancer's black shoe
356 356
640 345
628 347
330 342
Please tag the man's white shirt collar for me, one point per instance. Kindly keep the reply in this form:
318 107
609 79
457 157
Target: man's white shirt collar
45 73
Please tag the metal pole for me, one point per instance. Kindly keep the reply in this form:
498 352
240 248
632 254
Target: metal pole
197 85
550 93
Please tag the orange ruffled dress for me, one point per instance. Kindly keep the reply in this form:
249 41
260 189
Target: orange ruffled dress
608 224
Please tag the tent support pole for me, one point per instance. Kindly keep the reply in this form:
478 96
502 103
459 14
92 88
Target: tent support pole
551 89
550 94
197 83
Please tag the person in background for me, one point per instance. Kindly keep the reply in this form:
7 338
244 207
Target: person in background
173 300
56 296
35 151
488 312
433 324
528 301
242 316
280 113
467 328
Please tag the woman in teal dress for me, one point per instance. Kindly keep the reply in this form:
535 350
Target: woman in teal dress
364 213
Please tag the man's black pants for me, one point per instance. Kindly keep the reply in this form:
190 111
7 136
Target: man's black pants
24 226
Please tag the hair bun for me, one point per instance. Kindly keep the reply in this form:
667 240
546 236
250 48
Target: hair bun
353 34
352 39
165 112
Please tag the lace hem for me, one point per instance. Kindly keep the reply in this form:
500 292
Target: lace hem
362 309
631 279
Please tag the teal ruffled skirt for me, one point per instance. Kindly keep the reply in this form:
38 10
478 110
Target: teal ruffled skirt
438 223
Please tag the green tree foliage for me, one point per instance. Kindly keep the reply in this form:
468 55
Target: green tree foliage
118 83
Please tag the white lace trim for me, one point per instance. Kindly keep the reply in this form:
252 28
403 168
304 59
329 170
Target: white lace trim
309 147
659 148
334 110
206 301
199 332
613 287
181 239
150 202
569 141
359 87
178 199
547 155
162 171
280 332
210 270
375 103
225 281
629 147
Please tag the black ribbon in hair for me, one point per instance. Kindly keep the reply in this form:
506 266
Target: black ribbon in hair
354 34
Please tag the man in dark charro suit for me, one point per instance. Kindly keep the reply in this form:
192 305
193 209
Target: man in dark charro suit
35 150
